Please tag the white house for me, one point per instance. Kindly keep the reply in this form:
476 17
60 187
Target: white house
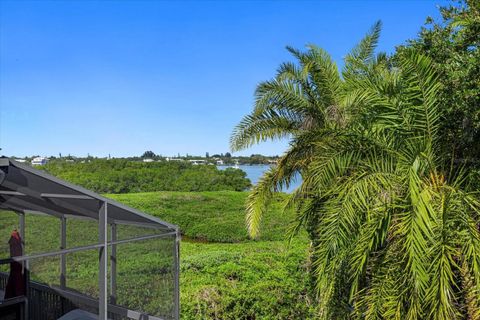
39 161
197 162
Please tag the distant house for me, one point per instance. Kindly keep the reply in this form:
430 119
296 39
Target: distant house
197 162
39 161
174 159
148 160
220 162
20 160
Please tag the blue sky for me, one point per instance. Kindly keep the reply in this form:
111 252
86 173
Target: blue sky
122 77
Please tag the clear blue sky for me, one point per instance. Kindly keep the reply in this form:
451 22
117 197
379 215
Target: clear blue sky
119 78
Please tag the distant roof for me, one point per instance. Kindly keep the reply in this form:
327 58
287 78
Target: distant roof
25 189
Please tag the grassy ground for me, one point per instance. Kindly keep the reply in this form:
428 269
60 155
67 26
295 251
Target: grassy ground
223 274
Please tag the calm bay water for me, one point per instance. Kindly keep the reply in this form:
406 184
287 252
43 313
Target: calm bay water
255 172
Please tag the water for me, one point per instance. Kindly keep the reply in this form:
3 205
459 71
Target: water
255 172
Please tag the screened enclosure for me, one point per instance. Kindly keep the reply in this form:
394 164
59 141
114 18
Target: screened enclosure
68 253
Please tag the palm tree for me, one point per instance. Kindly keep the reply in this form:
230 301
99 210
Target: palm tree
303 101
395 234
398 235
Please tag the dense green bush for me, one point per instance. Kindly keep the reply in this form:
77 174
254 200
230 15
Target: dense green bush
122 176
453 44
210 216
255 280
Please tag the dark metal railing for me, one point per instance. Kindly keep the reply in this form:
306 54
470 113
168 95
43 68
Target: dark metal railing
47 303
44 303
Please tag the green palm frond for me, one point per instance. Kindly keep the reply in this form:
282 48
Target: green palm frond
324 76
276 178
256 128
280 95
422 92
357 61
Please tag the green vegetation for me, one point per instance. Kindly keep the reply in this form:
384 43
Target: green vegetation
453 46
251 280
122 176
385 197
242 280
209 216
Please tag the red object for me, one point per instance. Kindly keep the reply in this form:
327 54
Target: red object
16 280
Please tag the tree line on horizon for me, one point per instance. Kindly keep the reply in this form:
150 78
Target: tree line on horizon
124 176
227 158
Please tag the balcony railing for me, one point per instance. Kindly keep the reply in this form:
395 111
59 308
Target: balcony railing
50 303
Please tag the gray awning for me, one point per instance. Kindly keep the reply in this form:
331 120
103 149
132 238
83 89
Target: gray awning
25 189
